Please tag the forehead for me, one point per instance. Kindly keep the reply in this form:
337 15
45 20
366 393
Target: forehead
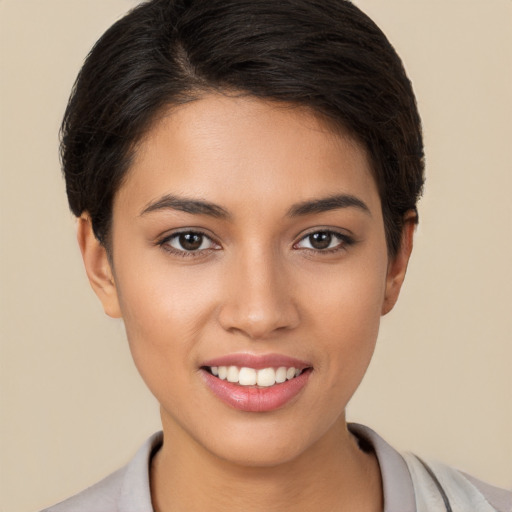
222 147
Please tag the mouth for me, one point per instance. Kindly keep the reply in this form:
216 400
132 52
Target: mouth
256 384
247 376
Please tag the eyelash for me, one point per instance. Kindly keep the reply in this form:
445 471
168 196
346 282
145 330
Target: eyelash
343 242
164 243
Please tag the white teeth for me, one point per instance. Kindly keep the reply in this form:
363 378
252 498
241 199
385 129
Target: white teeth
280 374
245 376
266 377
223 372
290 373
233 373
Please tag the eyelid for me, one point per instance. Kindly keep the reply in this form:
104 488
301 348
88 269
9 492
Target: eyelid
163 242
345 239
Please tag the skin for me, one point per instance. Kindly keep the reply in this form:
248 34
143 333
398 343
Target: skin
256 285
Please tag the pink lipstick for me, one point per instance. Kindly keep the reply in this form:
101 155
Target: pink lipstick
256 383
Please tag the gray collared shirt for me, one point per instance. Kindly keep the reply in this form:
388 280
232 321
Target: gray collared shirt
128 489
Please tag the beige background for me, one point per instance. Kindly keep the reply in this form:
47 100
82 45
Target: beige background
73 407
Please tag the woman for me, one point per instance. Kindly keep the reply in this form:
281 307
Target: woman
245 176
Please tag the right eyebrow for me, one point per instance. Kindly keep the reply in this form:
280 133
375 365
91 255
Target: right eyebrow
184 204
325 204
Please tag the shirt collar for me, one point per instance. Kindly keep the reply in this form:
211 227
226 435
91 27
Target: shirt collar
135 493
397 483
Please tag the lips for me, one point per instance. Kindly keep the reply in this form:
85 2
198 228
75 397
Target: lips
256 383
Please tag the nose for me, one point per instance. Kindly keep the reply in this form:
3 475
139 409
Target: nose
258 297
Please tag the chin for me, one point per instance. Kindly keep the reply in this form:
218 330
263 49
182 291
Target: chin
266 441
260 453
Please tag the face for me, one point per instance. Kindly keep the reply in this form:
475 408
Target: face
250 268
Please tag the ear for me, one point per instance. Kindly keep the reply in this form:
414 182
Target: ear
397 266
97 267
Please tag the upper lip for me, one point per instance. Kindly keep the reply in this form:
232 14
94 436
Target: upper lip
257 361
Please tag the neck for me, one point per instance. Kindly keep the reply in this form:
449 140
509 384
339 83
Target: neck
332 475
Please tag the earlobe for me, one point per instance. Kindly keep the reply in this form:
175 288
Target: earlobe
398 265
98 267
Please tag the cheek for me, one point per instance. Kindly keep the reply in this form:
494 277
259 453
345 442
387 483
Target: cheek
350 297
164 312
344 315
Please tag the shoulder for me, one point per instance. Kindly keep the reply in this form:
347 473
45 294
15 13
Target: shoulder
103 496
500 498
411 484
126 490
447 487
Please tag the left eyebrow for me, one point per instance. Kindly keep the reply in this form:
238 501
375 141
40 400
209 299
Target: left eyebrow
193 206
328 203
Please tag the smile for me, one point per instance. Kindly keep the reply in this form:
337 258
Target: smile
245 376
252 383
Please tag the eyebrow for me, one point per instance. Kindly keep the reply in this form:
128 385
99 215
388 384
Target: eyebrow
201 207
328 203
194 206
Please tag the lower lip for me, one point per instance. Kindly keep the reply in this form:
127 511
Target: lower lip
256 399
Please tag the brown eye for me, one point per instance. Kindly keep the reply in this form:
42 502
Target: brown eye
188 241
320 240
324 241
